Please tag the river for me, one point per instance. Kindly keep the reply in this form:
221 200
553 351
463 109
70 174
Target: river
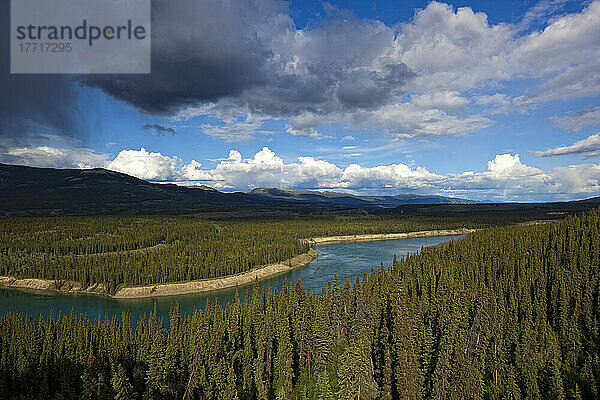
347 260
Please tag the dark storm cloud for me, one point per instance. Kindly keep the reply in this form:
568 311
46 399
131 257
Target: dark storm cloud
241 56
325 89
32 104
160 130
202 51
250 56
368 89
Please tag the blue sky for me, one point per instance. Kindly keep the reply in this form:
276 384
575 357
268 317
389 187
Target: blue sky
486 100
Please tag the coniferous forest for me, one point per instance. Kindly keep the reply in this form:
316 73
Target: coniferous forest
507 313
148 250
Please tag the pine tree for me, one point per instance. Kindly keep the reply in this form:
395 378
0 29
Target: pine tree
283 361
356 375
121 385
324 391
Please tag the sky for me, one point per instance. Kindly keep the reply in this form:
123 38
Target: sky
487 100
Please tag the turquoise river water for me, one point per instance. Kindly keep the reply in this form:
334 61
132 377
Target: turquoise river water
347 260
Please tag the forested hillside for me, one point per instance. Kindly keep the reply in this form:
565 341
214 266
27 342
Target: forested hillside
148 249
507 313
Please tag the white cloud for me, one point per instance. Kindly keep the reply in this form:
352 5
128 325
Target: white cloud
509 166
407 121
576 121
234 129
193 172
146 165
575 82
303 131
447 101
400 121
497 99
235 156
567 41
564 56
541 12
394 176
583 179
454 50
587 145
267 169
506 177
52 157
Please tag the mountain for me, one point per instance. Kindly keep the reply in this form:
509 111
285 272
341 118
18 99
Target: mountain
550 210
349 200
30 191
49 191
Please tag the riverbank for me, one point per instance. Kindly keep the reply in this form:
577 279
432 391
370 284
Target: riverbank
209 285
163 289
213 284
46 285
388 236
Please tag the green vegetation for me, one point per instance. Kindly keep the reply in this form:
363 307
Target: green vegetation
507 313
149 250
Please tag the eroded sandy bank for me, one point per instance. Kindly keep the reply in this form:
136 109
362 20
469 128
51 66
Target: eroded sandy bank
51 285
208 285
388 236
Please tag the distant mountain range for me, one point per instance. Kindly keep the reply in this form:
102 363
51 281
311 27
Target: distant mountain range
352 201
48 191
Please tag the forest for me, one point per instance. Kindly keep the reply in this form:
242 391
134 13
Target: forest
142 250
507 313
